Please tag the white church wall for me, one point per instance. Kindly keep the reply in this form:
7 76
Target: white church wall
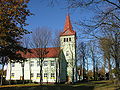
35 69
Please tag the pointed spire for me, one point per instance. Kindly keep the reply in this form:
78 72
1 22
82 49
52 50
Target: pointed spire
68 24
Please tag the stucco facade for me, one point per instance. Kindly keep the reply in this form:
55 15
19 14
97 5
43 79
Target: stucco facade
32 66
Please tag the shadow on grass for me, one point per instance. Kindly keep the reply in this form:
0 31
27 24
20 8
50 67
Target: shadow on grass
56 87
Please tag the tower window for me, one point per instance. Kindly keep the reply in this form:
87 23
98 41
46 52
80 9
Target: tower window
64 40
69 39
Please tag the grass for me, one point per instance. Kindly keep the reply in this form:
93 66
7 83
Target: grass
92 85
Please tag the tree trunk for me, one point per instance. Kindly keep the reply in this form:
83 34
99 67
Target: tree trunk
94 68
110 73
1 81
41 71
83 68
10 73
56 70
30 69
23 72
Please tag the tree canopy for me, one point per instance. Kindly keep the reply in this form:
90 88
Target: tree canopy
13 15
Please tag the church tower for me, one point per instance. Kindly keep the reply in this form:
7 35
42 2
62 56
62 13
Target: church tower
68 46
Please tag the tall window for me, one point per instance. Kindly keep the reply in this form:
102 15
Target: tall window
45 74
64 39
12 74
32 63
52 63
45 63
38 74
52 75
38 63
69 39
13 64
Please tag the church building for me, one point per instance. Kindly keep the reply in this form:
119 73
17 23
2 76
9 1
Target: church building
59 63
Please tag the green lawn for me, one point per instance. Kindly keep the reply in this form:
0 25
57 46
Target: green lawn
92 85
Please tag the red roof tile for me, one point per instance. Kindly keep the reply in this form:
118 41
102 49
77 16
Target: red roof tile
50 53
68 27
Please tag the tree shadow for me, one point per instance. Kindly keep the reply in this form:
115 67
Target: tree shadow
56 87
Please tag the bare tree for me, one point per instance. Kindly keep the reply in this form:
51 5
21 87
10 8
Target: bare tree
40 41
82 53
106 46
104 24
26 44
56 43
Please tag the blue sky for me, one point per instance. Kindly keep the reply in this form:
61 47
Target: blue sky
52 17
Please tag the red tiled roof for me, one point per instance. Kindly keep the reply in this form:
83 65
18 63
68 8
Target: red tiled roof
67 32
50 53
68 27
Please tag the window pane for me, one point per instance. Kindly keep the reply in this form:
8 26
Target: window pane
52 74
38 63
31 63
13 64
45 74
38 74
45 63
52 63
12 74
64 39
69 39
